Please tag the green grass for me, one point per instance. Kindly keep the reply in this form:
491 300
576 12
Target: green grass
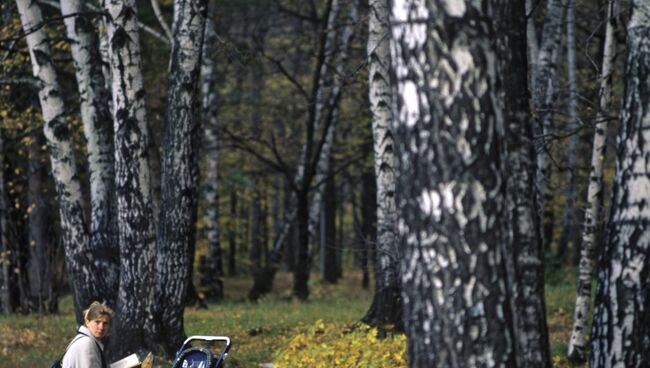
258 330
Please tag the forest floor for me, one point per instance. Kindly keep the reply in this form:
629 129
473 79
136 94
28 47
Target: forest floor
277 328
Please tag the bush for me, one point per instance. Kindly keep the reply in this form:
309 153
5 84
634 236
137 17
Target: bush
337 345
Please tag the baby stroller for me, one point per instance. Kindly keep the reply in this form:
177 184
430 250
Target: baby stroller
201 357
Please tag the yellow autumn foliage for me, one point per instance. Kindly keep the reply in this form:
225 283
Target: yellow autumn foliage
337 345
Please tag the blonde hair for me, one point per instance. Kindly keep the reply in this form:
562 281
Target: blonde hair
96 310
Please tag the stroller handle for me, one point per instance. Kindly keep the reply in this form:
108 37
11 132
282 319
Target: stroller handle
208 338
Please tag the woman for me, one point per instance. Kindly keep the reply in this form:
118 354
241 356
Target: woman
86 349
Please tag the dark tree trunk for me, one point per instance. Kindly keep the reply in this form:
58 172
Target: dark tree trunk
255 252
329 244
301 272
526 266
40 242
368 207
621 324
5 285
232 235
450 186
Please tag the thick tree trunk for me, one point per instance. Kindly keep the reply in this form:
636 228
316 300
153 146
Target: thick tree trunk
97 123
301 272
64 170
526 271
621 325
214 260
386 308
132 182
449 186
180 173
579 339
568 227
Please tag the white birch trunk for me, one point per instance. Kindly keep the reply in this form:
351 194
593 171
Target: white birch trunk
132 180
578 341
211 152
97 124
64 169
179 173
621 328
543 95
386 306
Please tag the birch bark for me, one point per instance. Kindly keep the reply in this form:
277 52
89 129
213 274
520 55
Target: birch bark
386 304
179 177
64 170
132 181
448 131
621 324
578 341
97 124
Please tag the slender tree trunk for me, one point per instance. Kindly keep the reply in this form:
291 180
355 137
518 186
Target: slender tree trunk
64 171
568 227
386 306
323 166
180 173
329 244
368 207
40 242
449 186
621 325
543 99
211 150
97 123
132 182
254 252
526 268
531 41
232 236
578 342
5 286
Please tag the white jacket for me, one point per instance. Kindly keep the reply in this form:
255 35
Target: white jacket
83 351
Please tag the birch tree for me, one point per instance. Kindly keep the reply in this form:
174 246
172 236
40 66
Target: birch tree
543 76
211 150
132 180
578 341
449 185
179 180
526 268
386 304
97 124
64 170
621 332
323 165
